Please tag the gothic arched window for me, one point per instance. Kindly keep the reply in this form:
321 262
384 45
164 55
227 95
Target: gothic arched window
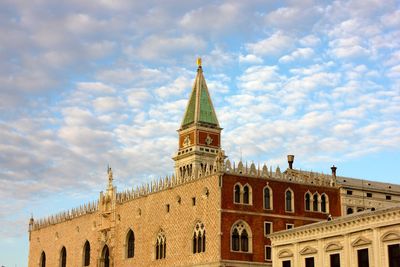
235 240
161 246
289 200
246 194
315 202
241 239
324 202
105 256
267 198
43 259
130 244
237 194
244 241
86 254
63 257
307 201
199 238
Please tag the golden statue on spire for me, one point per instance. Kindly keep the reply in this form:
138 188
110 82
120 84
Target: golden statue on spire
199 61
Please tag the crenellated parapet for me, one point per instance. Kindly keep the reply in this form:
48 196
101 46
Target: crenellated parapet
82 210
149 188
289 175
221 165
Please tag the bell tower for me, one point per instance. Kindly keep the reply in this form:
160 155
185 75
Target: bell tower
199 134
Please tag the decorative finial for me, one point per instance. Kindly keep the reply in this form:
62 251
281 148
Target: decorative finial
199 62
110 176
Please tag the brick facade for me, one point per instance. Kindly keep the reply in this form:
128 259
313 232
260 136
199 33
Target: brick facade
255 215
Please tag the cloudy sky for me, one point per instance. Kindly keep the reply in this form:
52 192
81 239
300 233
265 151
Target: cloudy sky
87 83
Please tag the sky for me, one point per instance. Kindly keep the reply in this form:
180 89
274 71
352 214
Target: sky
84 84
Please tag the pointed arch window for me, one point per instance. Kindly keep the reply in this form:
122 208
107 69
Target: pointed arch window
43 259
289 202
247 194
315 202
161 246
235 240
241 239
244 241
237 194
105 256
130 244
63 257
267 198
199 238
307 201
86 254
324 203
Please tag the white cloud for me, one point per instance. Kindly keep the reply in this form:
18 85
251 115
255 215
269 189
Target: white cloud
260 78
294 17
299 53
357 112
348 48
391 19
137 97
136 76
80 23
217 19
177 87
310 41
394 72
393 58
250 59
342 129
108 103
218 58
313 81
274 45
96 87
157 47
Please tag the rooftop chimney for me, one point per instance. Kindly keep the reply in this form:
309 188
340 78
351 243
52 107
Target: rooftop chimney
290 159
333 168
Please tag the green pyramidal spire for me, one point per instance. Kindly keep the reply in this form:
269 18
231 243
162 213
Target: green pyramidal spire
200 108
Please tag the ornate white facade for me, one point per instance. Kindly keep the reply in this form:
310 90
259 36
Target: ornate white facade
369 238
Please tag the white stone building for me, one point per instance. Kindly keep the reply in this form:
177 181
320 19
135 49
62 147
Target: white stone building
363 239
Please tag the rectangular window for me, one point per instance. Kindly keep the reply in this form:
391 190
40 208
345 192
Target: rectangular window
285 263
193 201
289 226
394 255
362 256
167 207
268 254
369 194
349 192
310 262
388 197
267 228
335 260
